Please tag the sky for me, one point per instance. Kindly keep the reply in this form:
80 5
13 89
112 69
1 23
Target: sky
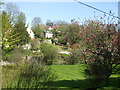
64 10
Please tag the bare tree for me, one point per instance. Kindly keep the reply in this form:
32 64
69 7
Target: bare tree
13 11
36 21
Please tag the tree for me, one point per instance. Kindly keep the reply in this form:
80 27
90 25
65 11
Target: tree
36 21
101 50
9 39
59 22
49 23
21 30
13 11
73 33
50 53
21 18
69 33
38 31
73 21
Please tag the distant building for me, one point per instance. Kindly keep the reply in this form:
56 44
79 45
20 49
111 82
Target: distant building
50 28
30 32
48 34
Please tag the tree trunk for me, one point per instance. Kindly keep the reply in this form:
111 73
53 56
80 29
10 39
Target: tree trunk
107 80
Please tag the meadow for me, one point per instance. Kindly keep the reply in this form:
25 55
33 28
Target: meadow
68 76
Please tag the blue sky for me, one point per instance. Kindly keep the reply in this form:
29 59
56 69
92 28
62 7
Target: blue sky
64 10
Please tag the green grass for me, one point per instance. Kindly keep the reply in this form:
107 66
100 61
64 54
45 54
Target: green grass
72 76
68 72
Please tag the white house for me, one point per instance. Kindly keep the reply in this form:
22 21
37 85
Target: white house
30 32
50 28
48 34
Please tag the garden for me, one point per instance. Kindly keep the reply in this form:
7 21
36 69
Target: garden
92 61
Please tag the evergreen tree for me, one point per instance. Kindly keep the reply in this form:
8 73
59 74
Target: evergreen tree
9 39
20 28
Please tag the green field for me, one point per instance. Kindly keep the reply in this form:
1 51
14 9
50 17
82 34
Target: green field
69 72
72 76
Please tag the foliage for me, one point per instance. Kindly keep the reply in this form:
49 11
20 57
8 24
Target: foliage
69 77
73 33
21 30
9 39
59 22
63 27
12 36
62 41
74 57
34 75
50 53
35 44
21 18
17 55
30 74
38 31
100 49
69 33
49 23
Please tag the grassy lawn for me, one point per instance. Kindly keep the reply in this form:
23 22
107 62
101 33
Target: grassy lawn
69 72
72 76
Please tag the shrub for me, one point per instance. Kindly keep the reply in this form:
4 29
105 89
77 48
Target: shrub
50 53
31 74
74 57
17 55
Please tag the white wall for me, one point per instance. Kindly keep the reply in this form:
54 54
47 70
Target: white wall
30 32
48 35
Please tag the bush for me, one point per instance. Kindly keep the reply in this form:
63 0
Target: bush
16 55
31 74
74 57
62 41
50 53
